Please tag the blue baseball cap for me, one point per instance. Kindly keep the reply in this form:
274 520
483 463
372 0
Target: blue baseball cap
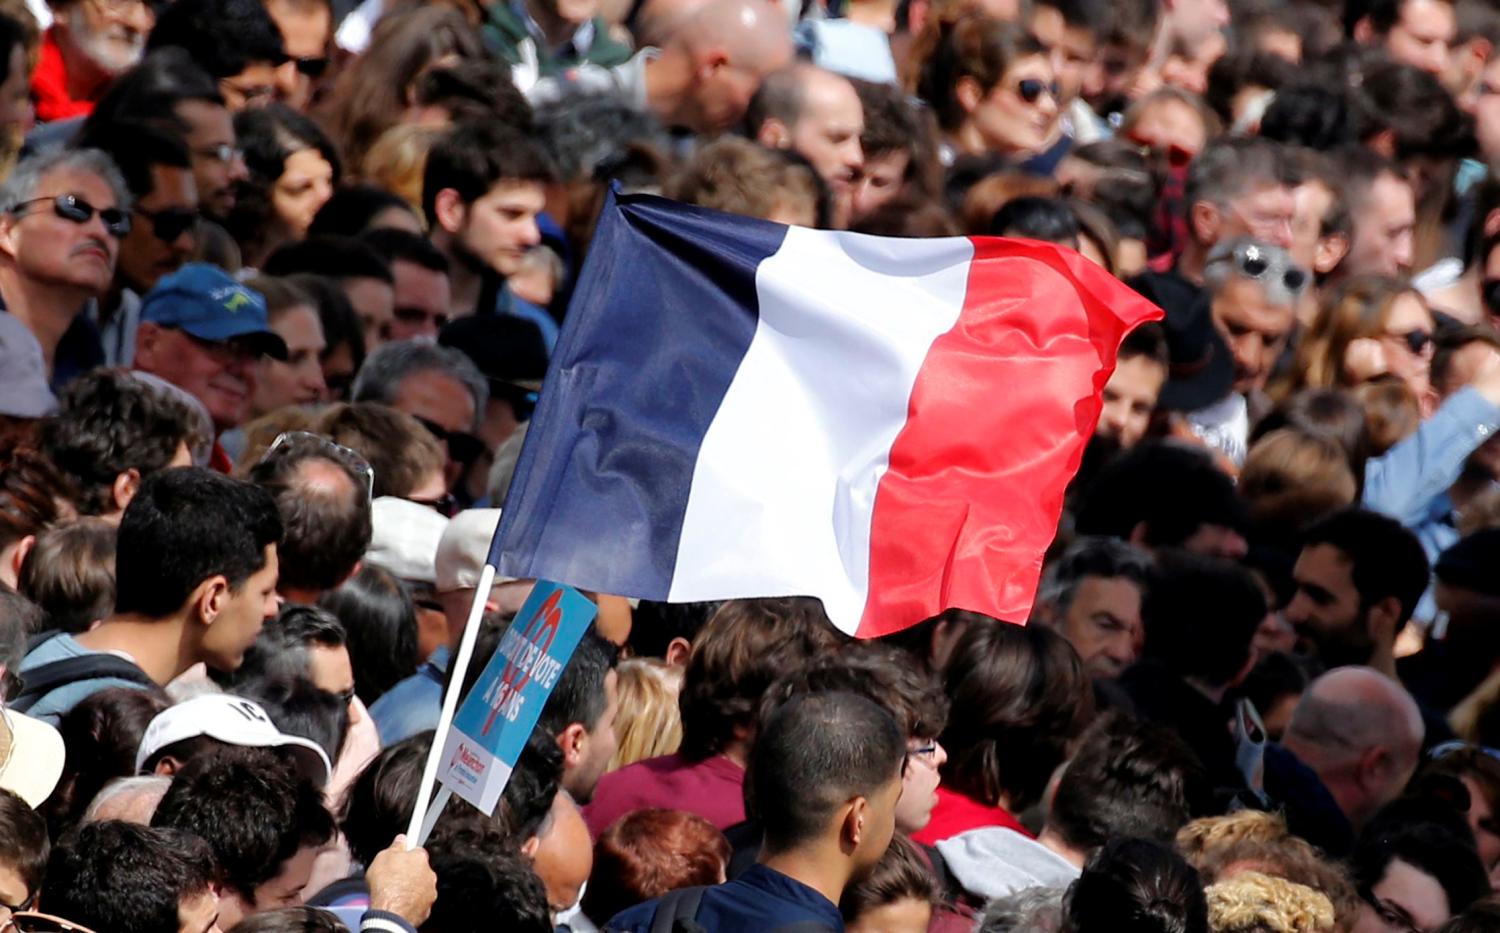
206 302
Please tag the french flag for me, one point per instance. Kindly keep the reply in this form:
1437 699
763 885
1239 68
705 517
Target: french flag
740 408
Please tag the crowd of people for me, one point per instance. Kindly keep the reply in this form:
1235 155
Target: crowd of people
279 284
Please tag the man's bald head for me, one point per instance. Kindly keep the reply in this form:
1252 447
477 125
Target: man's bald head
564 853
1362 733
754 32
717 55
658 20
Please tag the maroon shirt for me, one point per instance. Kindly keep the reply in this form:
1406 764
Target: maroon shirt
712 788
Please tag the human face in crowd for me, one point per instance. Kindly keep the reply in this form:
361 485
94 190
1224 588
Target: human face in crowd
306 184
423 300
1484 824
1403 900
217 161
919 784
199 913
164 231
287 889
562 856
331 671
1129 398
500 227
1264 213
1325 609
1016 116
827 135
251 88
16 112
298 380
1103 623
1170 125
880 179
374 303
1483 101
13 891
1072 51
1422 35
1312 200
599 746
306 28
1408 317
221 375
1384 222
435 397
240 612
1190 71
1255 328
111 34
56 251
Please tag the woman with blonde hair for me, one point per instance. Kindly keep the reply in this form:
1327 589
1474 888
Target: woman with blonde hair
1370 326
648 724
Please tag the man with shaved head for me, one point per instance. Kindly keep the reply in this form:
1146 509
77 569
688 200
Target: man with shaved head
818 115
1361 734
703 65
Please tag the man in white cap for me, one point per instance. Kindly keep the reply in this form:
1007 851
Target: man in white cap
404 541
412 705
205 723
31 752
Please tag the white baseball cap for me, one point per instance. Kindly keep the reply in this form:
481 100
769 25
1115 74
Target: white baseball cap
235 721
404 538
464 548
33 757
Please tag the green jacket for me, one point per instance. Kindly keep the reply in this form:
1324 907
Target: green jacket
505 32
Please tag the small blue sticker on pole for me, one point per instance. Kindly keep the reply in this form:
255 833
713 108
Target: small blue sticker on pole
496 718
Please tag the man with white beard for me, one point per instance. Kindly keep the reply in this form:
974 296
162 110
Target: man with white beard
89 43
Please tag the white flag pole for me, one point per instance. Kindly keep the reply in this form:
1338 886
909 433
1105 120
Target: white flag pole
421 823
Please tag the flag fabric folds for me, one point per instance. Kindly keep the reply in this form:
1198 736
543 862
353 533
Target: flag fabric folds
740 408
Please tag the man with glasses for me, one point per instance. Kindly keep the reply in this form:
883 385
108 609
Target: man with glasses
306 34
235 41
63 215
23 854
204 332
164 224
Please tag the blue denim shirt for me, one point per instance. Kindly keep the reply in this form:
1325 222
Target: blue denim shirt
413 705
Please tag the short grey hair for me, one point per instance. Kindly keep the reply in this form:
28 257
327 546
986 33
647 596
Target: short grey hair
24 182
380 377
1090 557
1033 910
1221 268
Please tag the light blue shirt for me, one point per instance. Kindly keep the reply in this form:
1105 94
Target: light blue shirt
413 705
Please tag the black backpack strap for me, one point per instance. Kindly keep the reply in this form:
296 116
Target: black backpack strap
39 681
681 904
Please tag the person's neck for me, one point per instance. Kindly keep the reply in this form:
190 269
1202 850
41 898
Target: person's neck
84 78
46 310
1190 263
737 752
822 867
1383 659
158 646
1055 844
465 281
555 29
301 595
881 14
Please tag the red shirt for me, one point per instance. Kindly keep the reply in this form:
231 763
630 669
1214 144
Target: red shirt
49 85
712 789
956 813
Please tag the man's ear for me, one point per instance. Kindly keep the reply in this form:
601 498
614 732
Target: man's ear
678 651
148 345
167 767
209 598
968 93
8 234
125 486
774 134
1330 251
450 210
1204 220
529 847
1364 31
857 823
573 741
709 61
18 557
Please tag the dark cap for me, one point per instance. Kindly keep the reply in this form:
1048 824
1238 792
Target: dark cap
508 350
1470 564
1200 371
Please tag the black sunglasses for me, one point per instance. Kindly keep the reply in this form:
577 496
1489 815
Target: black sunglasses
1254 263
463 447
1416 340
446 505
72 208
1031 89
170 223
312 67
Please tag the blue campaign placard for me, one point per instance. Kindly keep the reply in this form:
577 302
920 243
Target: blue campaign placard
496 718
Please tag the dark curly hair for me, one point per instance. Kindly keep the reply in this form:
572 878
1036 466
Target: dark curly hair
1024 696
1136 886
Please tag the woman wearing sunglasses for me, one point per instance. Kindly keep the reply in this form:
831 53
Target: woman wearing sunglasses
1370 326
991 85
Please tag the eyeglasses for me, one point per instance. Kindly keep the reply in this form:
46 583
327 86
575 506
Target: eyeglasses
926 752
30 921
1254 262
1416 340
72 208
19 908
221 153
463 447
289 442
170 223
312 67
1031 89
226 352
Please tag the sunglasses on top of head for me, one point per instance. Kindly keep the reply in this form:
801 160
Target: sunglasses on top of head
71 207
